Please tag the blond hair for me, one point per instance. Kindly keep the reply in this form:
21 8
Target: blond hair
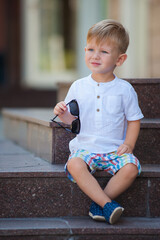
110 30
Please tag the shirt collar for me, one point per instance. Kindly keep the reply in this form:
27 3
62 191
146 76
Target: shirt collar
102 84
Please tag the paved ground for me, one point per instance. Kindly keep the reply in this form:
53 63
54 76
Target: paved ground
16 160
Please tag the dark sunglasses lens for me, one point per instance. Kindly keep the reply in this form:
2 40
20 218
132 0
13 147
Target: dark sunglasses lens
76 126
74 109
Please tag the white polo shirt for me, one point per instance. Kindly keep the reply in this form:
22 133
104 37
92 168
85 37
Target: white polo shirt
104 111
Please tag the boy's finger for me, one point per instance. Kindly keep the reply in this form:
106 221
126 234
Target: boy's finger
63 106
121 150
120 153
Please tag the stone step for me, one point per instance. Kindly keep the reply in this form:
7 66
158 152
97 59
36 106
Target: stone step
148 91
32 187
74 228
33 130
147 147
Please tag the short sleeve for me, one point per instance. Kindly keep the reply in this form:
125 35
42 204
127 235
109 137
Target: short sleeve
131 106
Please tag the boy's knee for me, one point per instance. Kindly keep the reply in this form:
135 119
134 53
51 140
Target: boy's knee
131 170
76 165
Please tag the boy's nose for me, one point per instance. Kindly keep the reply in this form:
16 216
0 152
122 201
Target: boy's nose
96 55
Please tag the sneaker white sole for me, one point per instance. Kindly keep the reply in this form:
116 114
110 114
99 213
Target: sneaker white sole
116 215
97 217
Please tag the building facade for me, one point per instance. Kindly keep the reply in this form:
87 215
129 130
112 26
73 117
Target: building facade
42 44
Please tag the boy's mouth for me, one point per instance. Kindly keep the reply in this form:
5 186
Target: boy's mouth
95 63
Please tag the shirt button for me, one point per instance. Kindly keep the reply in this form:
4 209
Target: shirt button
98 96
98 84
98 110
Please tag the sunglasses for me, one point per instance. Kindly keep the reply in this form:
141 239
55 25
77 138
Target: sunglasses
74 110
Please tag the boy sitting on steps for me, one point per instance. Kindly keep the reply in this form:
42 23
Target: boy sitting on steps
110 122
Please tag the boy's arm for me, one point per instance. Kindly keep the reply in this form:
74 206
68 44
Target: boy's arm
133 128
62 112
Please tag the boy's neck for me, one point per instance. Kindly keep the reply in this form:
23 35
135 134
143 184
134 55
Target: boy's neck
103 77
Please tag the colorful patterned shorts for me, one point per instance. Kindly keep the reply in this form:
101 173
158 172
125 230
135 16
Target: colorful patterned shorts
109 162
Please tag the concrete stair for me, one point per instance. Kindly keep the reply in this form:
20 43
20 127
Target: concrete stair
37 201
79 228
32 187
34 131
148 94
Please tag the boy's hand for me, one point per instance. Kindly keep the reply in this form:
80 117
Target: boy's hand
124 148
60 108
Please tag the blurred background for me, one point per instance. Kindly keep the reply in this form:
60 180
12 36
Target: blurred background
42 45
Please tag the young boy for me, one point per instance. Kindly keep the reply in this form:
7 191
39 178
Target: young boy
110 122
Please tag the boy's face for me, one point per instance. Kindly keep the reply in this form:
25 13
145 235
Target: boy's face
101 58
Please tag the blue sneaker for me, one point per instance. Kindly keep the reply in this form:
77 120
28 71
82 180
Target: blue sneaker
96 212
112 211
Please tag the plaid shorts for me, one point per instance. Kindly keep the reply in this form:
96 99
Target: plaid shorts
109 162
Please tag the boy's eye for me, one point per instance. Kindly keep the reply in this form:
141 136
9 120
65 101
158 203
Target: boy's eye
104 51
90 49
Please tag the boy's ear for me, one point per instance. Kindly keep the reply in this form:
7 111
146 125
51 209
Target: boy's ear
121 59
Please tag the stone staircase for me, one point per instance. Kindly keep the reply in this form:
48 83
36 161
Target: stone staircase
37 201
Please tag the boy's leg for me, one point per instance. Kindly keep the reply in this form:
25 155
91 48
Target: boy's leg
121 181
87 183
